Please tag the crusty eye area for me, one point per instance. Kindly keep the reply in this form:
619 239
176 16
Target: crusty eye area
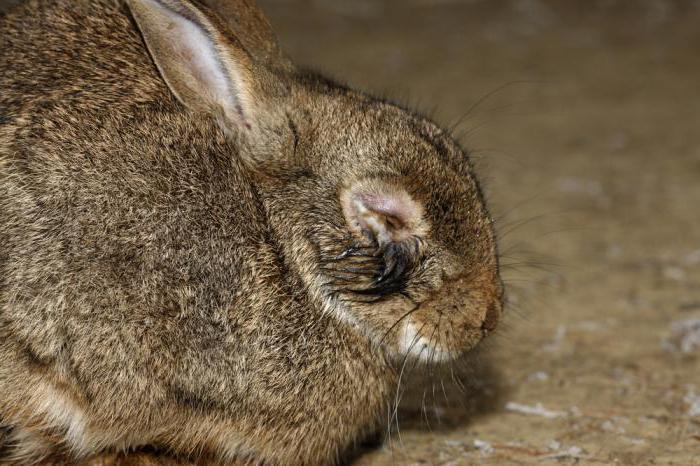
388 228
370 273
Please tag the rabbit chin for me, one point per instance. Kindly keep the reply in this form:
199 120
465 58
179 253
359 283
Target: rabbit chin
412 344
422 346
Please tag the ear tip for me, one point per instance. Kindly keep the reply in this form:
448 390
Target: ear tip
203 67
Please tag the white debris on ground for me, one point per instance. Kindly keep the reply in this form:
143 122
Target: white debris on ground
685 336
539 375
554 445
674 273
692 399
611 425
693 258
560 451
536 410
484 447
555 345
454 443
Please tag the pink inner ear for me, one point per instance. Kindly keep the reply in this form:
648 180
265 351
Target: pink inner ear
397 205
383 209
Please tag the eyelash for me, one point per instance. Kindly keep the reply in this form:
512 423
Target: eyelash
385 271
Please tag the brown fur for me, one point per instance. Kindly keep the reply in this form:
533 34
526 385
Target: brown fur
168 280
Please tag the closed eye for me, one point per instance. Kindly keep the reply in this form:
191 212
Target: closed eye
374 273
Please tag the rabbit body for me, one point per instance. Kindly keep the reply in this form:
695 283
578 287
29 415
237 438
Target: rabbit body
139 273
156 281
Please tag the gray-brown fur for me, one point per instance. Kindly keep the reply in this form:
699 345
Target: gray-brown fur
170 278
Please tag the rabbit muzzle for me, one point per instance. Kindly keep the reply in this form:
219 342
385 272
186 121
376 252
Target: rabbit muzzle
454 320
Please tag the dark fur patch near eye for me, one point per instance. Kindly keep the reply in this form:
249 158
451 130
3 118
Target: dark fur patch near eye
4 119
374 273
398 262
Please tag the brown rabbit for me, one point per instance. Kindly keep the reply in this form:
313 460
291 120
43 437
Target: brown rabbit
207 251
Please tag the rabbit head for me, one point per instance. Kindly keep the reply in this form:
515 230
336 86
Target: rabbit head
377 209
386 222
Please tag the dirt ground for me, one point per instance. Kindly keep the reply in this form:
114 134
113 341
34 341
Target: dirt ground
584 118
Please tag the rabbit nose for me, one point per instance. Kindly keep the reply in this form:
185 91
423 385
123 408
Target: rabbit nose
493 314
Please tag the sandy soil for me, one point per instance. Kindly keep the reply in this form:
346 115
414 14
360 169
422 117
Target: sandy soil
584 118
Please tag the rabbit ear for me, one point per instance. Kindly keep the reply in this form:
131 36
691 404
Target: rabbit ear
207 69
382 210
252 28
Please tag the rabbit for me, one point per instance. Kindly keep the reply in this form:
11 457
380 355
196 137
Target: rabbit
207 250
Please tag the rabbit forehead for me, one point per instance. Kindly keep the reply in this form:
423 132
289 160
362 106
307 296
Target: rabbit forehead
349 130
354 137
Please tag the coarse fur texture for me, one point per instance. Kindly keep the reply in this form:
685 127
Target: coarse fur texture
232 272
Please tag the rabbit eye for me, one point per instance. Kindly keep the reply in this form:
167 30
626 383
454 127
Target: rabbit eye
372 273
399 260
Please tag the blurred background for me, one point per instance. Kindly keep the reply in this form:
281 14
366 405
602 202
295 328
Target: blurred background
583 118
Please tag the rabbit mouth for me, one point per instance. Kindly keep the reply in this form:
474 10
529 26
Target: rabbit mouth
443 340
416 345
453 321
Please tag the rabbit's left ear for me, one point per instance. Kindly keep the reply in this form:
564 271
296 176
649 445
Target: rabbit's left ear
250 26
202 62
383 211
